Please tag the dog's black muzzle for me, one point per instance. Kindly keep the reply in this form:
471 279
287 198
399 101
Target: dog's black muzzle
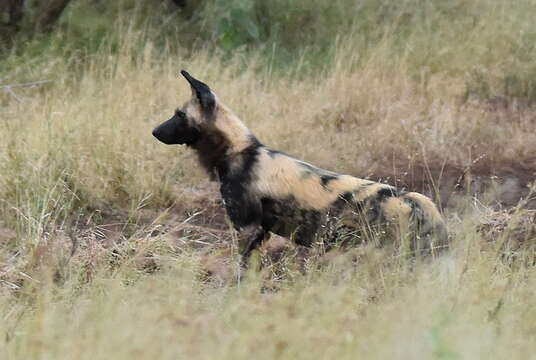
176 131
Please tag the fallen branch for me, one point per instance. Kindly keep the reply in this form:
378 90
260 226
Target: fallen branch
29 84
12 93
9 88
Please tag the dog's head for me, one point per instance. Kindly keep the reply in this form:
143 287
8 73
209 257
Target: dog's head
188 123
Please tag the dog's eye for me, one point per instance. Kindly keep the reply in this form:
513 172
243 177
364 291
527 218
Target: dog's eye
180 114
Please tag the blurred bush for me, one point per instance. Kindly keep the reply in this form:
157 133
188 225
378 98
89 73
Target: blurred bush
487 44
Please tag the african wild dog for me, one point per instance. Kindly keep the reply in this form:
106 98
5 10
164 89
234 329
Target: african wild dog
268 191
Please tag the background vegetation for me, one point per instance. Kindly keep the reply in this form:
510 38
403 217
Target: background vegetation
115 246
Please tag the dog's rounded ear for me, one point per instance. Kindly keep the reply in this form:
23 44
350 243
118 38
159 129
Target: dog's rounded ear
202 92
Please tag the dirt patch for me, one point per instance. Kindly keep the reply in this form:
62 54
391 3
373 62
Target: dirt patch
447 184
6 236
512 230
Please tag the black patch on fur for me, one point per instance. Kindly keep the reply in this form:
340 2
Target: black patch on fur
236 175
240 167
416 211
337 233
325 179
373 205
285 218
307 231
253 241
373 211
387 193
344 200
204 95
242 208
254 141
274 153
424 230
347 196
212 150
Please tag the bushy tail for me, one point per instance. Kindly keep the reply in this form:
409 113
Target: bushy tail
427 224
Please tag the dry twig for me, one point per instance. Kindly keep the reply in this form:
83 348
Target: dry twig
9 88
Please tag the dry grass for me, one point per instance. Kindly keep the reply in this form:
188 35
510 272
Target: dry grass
106 235
467 305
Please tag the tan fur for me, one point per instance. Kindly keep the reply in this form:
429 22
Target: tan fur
371 189
281 176
233 128
427 206
395 209
346 183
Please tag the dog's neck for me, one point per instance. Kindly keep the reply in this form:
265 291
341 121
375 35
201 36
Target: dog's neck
223 142
216 154
212 151
233 129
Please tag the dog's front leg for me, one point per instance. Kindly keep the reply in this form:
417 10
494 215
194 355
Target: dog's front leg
249 238
244 209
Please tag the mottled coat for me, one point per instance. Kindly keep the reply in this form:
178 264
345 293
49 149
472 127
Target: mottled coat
267 191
